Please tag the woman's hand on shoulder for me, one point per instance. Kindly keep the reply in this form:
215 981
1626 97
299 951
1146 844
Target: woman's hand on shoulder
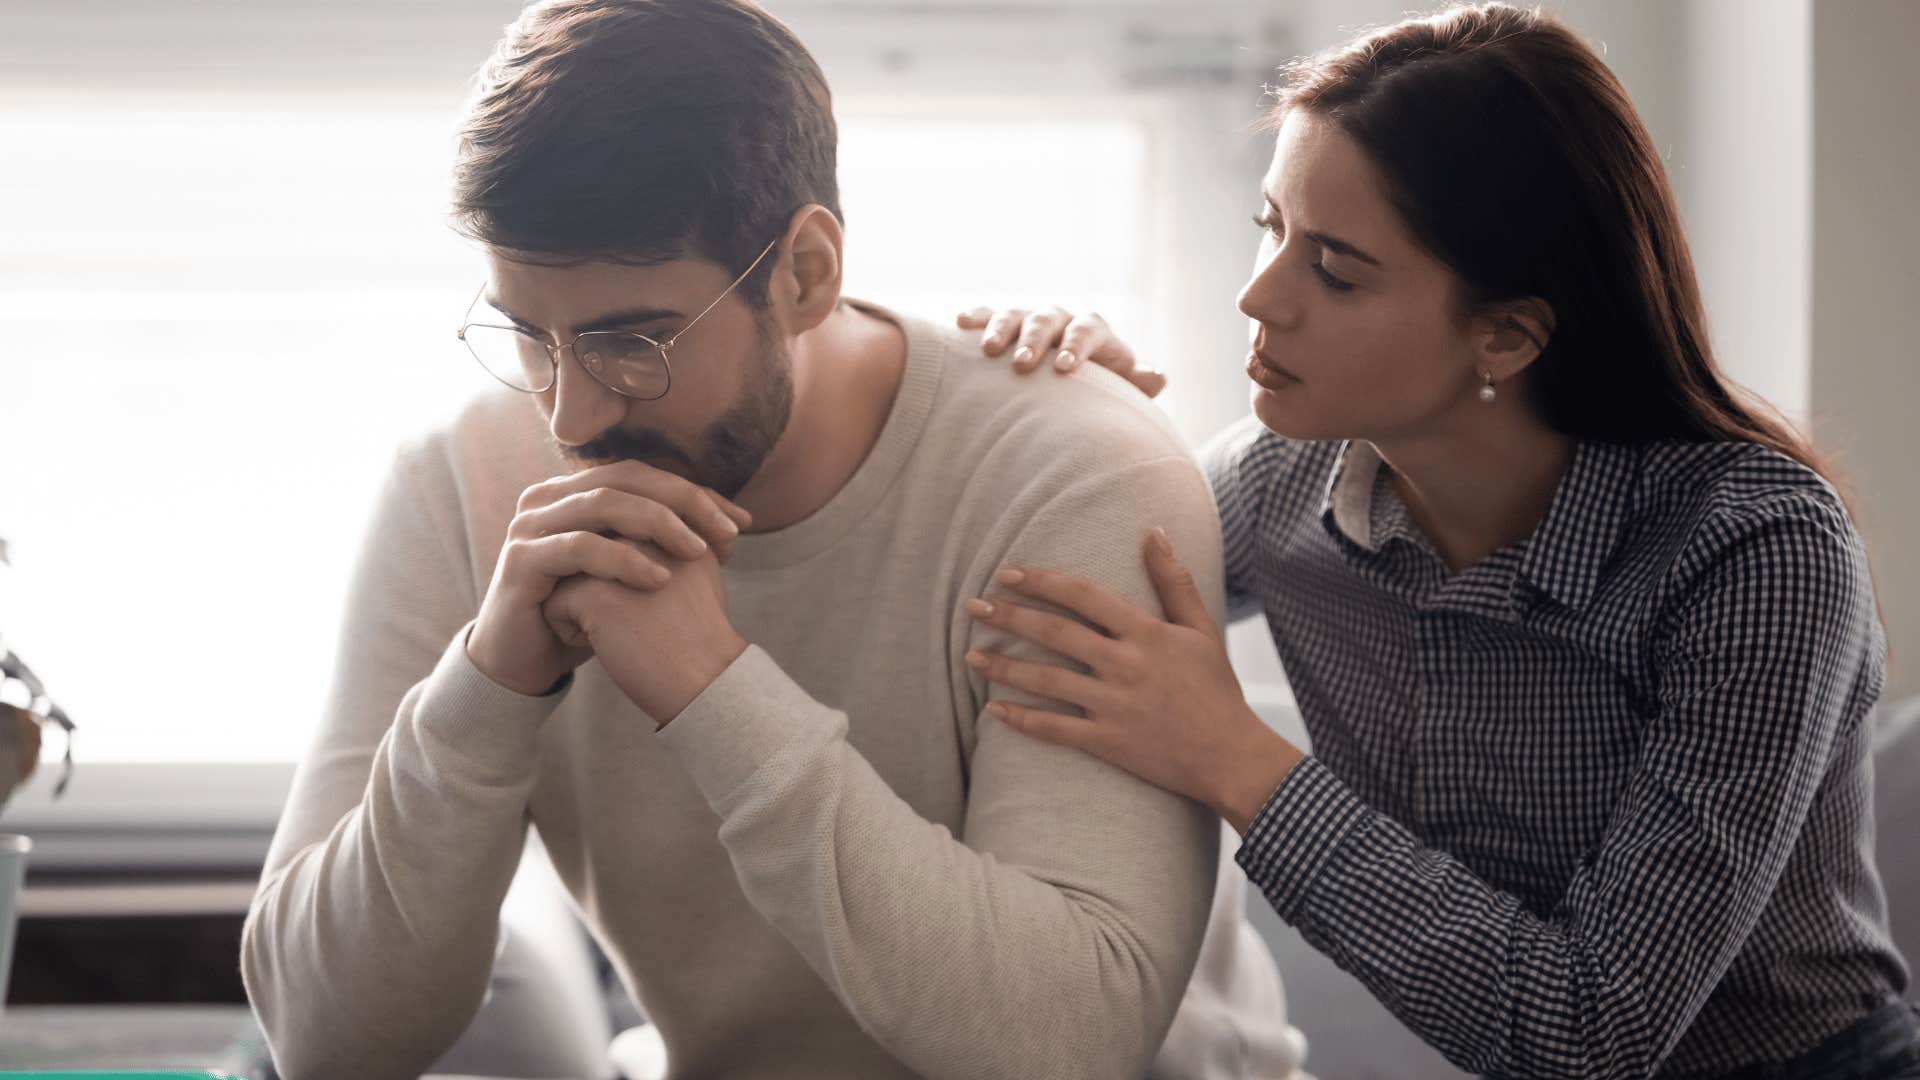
1072 339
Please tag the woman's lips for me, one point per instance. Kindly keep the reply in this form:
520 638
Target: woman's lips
1266 374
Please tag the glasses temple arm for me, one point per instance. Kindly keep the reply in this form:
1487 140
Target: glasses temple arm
757 259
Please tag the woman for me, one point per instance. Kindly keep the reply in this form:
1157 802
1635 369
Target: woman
1584 640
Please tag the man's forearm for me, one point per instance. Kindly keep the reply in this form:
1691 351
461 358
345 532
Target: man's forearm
369 950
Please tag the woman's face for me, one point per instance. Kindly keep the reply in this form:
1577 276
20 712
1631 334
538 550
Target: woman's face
1357 330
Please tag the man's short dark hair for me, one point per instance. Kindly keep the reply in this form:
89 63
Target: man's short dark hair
642 131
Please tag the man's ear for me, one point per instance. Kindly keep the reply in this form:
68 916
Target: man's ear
1512 334
805 287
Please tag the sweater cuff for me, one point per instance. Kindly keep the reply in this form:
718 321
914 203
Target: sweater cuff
494 728
1299 833
751 715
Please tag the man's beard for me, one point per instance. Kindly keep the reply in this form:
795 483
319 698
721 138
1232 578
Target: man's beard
732 448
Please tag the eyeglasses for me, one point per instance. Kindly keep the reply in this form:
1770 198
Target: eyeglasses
624 362
16 669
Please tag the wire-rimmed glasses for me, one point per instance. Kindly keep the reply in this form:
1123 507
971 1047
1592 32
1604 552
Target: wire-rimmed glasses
625 362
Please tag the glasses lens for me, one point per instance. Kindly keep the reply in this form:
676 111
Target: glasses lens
627 363
511 356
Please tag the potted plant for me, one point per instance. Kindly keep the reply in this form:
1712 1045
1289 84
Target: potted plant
20 724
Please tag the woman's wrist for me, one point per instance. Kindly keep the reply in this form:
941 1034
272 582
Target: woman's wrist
1258 770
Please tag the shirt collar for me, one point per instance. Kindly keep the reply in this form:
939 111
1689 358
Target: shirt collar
1348 505
1566 553
1360 505
1571 547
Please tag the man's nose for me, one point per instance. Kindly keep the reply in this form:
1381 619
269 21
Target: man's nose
583 407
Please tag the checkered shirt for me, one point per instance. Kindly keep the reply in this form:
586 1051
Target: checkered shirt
1599 805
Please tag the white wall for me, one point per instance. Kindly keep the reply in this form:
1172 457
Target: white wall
1866 290
1745 182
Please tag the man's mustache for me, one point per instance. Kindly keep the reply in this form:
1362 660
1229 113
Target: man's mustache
619 445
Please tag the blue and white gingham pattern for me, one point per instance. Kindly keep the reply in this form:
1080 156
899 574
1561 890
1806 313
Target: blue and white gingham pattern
1599 806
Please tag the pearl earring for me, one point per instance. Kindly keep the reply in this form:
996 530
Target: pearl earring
1487 393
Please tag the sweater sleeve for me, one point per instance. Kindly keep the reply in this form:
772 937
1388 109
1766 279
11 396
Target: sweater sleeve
369 944
1056 935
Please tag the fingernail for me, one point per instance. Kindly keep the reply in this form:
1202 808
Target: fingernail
976 660
1010 576
1160 541
1065 361
979 608
998 710
728 526
700 544
1023 355
991 341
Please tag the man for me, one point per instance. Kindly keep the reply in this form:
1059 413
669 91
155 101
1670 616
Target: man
770 788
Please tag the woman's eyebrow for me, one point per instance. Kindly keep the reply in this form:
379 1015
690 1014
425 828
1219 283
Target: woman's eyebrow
1328 241
1341 247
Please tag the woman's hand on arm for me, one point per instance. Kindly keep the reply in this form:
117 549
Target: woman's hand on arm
1030 335
1160 696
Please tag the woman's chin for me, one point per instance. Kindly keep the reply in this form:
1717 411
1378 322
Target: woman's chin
1280 410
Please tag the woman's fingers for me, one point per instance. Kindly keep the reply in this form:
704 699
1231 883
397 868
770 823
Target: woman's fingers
1041 680
1079 339
1058 728
1002 328
1098 606
1179 593
1149 383
1064 636
1039 334
1087 337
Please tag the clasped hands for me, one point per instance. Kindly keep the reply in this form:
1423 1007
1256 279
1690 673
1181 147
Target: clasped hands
618 562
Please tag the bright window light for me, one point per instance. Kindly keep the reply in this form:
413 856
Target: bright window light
222 312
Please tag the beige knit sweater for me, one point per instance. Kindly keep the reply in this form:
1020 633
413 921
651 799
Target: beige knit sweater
832 864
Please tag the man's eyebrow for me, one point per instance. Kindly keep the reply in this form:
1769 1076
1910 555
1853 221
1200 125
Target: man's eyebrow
495 304
613 320
1331 243
610 321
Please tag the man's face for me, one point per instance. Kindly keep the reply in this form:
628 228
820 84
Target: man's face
732 388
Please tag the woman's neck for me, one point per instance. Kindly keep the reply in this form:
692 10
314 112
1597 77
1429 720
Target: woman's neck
1482 486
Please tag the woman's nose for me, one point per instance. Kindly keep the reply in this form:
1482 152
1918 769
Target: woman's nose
1267 298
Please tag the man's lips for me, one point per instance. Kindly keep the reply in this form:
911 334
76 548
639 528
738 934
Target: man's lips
1266 373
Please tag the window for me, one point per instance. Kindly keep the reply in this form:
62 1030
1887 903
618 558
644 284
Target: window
224 304
218 367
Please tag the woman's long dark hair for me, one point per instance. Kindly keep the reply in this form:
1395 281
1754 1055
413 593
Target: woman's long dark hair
1518 160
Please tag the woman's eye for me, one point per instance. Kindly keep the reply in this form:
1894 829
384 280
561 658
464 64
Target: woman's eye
1331 282
1270 225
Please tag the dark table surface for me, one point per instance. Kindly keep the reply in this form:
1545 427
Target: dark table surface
219 1037
223 1038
